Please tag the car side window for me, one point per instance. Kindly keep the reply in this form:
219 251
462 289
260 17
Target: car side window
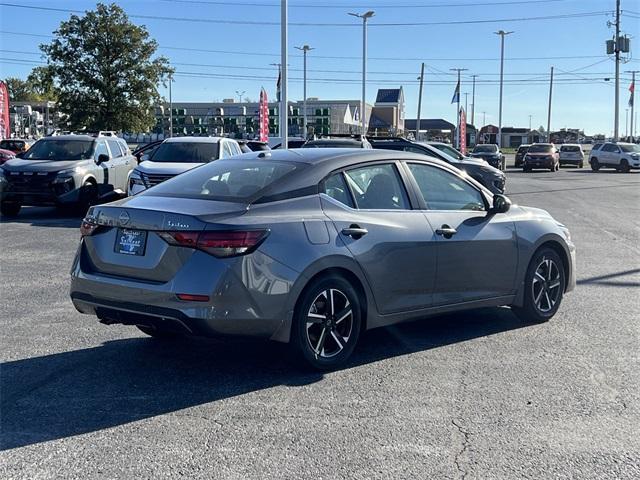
336 187
609 147
226 150
235 148
114 146
101 148
443 190
377 187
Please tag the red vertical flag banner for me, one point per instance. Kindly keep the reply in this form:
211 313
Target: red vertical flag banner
5 129
264 116
463 131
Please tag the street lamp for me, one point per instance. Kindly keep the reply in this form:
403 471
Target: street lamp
240 94
502 34
364 16
305 49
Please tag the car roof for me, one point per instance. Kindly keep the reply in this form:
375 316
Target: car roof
570 145
70 137
195 139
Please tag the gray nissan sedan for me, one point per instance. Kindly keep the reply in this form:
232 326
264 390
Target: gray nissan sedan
314 246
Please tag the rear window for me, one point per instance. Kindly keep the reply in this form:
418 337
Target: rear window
570 148
186 152
485 149
541 148
225 180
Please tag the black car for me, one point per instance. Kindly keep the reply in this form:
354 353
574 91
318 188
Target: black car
491 153
486 175
522 151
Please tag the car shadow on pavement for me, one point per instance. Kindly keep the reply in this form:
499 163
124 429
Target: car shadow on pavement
612 279
45 217
71 393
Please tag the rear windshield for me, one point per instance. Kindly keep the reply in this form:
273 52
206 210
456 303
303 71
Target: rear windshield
539 148
11 144
485 149
60 150
185 152
570 148
225 180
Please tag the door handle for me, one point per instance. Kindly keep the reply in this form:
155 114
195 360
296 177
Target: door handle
354 231
446 231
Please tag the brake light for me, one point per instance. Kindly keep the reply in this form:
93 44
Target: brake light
221 244
188 297
88 226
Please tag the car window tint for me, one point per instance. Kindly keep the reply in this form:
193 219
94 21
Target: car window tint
443 190
336 187
101 148
377 187
114 146
609 147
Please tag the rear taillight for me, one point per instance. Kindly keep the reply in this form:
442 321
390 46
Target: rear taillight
220 244
88 226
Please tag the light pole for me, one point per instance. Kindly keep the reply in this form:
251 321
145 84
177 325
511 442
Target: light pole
170 107
305 49
421 78
240 94
502 34
473 101
466 98
284 58
364 16
530 122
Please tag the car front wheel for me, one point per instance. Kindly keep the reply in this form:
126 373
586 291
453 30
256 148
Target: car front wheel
543 287
327 322
624 166
595 165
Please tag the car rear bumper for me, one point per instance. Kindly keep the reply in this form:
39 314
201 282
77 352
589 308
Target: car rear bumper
249 296
571 161
538 163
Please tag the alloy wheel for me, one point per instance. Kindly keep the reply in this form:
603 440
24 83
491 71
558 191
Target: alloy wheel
546 286
329 323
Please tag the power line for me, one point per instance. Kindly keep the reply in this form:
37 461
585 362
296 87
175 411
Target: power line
341 6
343 57
315 25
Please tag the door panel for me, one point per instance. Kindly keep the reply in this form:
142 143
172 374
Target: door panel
479 260
397 254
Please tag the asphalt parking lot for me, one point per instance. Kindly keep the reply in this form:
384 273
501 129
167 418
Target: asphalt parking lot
473 395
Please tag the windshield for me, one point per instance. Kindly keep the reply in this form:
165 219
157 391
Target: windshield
186 152
570 148
630 148
448 150
485 149
225 180
541 148
60 150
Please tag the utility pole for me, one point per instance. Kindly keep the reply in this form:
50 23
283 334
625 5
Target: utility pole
284 56
529 123
458 107
617 94
484 118
626 122
473 101
363 113
466 99
304 49
549 111
421 78
632 125
502 34
170 107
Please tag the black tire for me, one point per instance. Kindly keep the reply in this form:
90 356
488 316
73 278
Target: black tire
157 333
536 307
526 169
326 343
88 197
10 209
624 166
595 165
581 165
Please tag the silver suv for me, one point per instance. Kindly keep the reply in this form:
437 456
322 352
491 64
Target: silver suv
621 156
66 171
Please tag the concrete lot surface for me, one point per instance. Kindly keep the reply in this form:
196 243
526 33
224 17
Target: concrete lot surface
473 395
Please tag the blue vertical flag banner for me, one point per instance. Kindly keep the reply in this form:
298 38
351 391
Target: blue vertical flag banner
456 94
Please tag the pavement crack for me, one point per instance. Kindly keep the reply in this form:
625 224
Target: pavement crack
465 445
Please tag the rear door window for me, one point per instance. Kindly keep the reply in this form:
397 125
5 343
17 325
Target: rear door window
377 187
114 146
610 147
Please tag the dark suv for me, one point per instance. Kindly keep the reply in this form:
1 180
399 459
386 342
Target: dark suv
522 151
491 153
479 170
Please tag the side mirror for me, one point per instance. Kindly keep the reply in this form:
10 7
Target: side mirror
103 157
501 204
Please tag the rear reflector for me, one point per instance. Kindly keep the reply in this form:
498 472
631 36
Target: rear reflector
217 243
187 297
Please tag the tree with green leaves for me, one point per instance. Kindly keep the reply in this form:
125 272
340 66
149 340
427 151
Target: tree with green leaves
104 71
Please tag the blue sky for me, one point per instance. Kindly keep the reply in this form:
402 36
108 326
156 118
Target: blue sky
395 52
